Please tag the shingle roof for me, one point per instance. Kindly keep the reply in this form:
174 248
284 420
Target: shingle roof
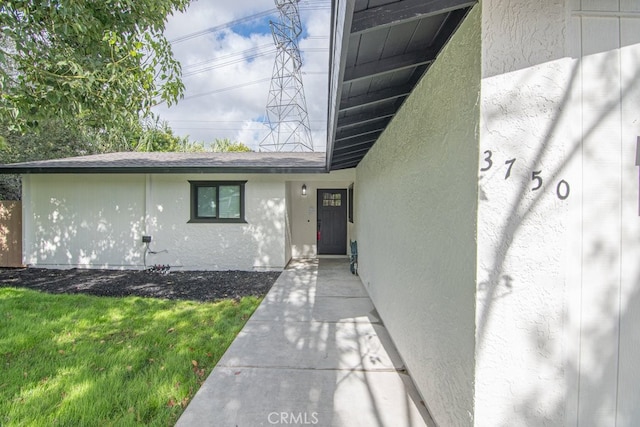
137 162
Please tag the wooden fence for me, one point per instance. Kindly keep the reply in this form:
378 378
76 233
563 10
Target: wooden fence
10 234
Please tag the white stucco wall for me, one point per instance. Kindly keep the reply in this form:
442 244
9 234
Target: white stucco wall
93 221
416 196
69 221
556 284
520 379
258 244
304 209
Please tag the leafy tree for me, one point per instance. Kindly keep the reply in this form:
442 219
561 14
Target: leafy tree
159 137
100 63
52 139
224 145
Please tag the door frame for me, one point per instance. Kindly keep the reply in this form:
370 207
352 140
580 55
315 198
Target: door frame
343 220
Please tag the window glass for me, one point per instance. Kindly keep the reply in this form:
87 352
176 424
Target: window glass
229 201
332 199
206 202
217 201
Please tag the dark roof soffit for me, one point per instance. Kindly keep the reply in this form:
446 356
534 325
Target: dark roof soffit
364 97
387 65
403 11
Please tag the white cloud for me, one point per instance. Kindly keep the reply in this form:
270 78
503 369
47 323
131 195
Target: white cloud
227 73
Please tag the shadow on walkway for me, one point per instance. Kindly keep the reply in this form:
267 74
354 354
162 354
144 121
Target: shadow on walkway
313 353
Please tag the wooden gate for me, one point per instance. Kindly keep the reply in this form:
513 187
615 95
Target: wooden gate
10 234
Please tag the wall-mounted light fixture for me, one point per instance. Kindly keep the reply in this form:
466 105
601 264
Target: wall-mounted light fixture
304 190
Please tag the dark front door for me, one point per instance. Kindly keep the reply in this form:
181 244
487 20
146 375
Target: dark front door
332 222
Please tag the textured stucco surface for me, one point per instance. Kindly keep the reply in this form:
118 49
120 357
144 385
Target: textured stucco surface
520 378
98 221
416 197
260 243
556 285
77 222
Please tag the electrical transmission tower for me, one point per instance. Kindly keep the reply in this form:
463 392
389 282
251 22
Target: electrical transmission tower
287 116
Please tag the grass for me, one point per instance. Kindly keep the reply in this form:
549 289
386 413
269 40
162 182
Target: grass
74 360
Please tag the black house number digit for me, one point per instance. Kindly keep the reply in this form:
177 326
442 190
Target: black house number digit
563 190
510 163
535 176
487 159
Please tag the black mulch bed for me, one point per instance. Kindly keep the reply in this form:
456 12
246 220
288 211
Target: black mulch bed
185 285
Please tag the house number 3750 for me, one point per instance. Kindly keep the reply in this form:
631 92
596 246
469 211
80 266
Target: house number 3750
562 188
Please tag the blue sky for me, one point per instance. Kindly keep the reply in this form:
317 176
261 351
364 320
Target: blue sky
227 72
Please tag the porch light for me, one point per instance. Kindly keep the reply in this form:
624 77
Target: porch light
304 189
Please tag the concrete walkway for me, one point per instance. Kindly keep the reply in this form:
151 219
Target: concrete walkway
313 353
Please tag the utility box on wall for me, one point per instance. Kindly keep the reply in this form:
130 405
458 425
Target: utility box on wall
10 233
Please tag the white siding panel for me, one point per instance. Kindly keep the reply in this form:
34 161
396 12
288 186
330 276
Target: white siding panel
600 5
601 221
629 369
630 5
573 264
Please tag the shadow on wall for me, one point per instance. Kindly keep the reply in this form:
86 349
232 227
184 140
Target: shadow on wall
531 197
269 234
65 236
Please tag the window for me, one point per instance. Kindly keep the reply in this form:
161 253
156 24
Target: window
350 201
332 199
217 201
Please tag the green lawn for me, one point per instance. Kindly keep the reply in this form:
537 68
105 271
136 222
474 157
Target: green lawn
76 360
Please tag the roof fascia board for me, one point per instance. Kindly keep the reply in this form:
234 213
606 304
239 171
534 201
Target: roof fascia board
342 14
23 170
403 11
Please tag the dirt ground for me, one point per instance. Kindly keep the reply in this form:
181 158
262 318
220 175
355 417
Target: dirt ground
187 285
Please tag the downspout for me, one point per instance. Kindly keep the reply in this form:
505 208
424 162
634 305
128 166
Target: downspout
27 216
147 210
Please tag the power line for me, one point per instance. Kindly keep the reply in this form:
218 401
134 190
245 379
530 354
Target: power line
320 129
246 58
227 63
224 26
227 121
249 18
230 55
239 86
249 51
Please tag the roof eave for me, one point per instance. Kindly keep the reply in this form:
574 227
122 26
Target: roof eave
162 170
340 19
